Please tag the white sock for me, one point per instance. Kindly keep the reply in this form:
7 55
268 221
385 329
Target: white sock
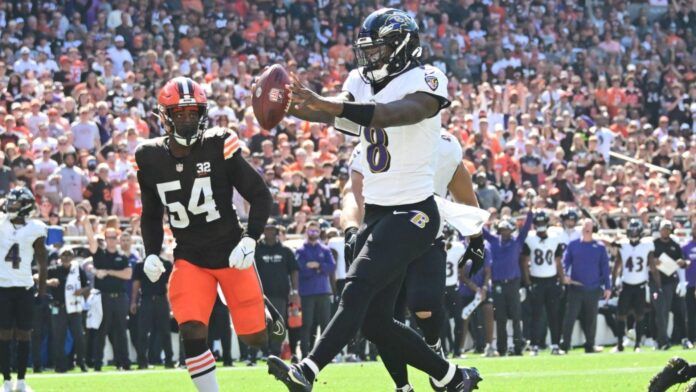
202 371
405 388
311 365
448 377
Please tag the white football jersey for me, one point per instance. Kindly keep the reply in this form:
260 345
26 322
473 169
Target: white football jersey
564 236
338 245
17 251
635 261
399 162
542 255
453 255
449 155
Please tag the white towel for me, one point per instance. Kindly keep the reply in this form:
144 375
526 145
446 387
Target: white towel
73 303
95 312
466 219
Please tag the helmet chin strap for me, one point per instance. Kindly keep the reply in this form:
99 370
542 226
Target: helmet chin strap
382 73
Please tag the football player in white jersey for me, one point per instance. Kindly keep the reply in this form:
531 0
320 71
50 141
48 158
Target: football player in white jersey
393 102
21 241
434 275
569 219
542 273
632 268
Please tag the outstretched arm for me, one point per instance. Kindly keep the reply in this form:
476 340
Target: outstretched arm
151 221
41 255
411 109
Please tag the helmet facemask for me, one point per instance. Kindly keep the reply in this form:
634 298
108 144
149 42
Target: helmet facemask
185 124
385 57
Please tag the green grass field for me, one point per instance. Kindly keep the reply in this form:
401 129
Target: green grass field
575 372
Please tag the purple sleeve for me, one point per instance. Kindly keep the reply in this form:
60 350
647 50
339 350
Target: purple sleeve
604 268
525 228
488 236
302 264
328 266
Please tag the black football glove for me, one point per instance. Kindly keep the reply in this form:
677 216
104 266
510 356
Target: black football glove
474 252
350 237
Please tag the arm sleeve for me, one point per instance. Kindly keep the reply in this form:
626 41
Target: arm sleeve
525 228
290 260
250 185
302 265
488 236
567 260
605 277
328 266
151 221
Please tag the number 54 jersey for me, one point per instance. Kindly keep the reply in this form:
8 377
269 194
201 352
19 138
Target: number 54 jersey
399 162
196 192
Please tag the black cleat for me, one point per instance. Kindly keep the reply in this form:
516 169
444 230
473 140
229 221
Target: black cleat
673 373
290 375
470 381
275 324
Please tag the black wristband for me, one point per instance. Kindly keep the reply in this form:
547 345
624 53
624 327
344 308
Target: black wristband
350 231
359 113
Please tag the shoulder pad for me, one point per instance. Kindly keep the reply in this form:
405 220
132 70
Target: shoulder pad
231 143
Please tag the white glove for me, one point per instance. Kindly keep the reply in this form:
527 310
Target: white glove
153 268
523 294
681 289
242 256
618 283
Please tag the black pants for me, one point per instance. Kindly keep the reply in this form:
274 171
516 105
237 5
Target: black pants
41 328
545 297
316 313
220 327
506 306
583 303
60 322
691 313
114 323
280 303
453 307
662 308
477 324
153 315
390 240
679 312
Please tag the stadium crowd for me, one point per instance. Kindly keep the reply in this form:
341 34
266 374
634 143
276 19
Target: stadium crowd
557 105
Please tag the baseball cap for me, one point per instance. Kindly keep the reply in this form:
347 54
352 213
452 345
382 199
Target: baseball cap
65 249
24 50
666 224
119 38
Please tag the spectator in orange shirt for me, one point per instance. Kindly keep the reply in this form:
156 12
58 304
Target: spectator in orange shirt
341 51
130 194
324 154
506 162
191 41
615 96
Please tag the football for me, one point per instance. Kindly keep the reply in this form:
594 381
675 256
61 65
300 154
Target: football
271 99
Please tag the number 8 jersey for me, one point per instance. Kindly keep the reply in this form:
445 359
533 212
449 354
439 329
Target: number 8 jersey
635 261
399 162
196 192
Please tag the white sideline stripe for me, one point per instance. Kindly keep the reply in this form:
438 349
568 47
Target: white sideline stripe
525 374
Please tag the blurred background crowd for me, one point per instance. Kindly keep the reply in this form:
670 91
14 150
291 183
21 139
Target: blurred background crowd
556 103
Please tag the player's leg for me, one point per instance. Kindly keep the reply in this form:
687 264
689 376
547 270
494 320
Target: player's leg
22 333
244 296
425 285
675 372
7 309
623 308
537 301
553 315
146 318
192 293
